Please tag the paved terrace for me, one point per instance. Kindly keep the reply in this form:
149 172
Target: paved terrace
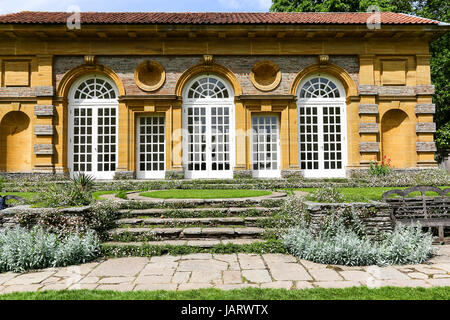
226 271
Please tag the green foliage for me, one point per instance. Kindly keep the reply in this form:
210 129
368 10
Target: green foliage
117 251
57 195
339 5
439 48
122 194
293 213
443 136
76 193
380 168
100 217
22 249
3 180
83 182
326 194
337 244
354 293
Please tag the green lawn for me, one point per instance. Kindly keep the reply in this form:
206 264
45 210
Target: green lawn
29 195
205 194
25 195
119 193
365 194
355 293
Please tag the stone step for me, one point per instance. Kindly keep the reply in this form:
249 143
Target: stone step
228 202
158 212
201 243
248 221
185 233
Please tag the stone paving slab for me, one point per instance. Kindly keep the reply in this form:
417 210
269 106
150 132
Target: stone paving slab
227 272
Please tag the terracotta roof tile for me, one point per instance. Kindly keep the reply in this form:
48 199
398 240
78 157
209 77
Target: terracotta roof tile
30 17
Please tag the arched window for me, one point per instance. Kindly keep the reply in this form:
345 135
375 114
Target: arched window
94 88
93 126
208 87
322 127
319 87
208 123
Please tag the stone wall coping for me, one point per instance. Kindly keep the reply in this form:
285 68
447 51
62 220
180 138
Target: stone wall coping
316 206
10 211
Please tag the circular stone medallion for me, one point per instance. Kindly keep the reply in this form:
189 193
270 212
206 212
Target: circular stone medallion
265 75
149 75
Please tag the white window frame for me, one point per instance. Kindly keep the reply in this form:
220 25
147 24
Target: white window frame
273 173
94 104
149 174
208 102
319 103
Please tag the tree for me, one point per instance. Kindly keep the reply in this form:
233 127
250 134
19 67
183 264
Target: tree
339 5
439 48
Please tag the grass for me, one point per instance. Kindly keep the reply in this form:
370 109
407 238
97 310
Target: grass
25 195
119 194
365 194
28 196
205 194
146 250
355 293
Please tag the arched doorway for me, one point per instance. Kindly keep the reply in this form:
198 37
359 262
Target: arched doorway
208 128
396 139
93 104
15 142
322 126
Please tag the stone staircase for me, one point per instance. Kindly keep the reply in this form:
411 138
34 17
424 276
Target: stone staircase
195 222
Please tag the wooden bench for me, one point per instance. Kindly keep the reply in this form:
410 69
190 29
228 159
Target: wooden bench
429 211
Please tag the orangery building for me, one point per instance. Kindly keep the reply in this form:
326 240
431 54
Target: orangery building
214 95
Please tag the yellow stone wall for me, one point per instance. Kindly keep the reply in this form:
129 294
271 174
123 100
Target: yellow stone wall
392 65
16 141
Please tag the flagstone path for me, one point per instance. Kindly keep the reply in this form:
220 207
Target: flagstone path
226 271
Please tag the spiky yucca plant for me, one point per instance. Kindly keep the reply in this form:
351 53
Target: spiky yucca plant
82 181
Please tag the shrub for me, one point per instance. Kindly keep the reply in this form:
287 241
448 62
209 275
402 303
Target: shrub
293 213
426 177
22 249
3 180
343 246
122 194
443 137
100 217
82 182
380 168
327 194
407 245
63 196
